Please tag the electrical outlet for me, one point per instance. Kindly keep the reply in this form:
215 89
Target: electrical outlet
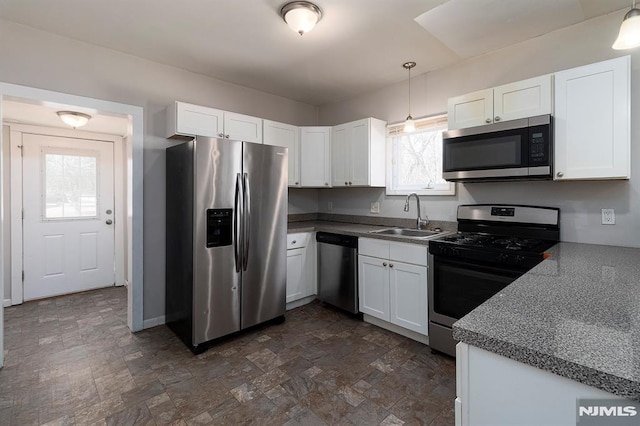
608 217
375 207
330 206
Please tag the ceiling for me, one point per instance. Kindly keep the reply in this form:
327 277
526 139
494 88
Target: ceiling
358 46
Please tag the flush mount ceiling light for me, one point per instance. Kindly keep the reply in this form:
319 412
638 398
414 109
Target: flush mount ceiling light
301 16
409 125
74 119
629 35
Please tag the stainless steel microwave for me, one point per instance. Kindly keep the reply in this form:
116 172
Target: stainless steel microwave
517 149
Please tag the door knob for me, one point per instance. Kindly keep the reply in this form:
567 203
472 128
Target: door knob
108 221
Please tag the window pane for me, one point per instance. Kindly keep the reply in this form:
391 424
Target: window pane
71 186
418 160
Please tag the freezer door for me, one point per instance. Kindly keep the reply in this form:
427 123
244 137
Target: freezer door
264 265
216 292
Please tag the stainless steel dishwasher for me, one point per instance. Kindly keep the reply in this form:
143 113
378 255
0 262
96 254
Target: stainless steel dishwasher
338 270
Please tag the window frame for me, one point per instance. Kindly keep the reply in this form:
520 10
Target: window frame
423 124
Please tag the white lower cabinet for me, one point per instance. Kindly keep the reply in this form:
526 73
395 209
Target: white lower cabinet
301 267
390 288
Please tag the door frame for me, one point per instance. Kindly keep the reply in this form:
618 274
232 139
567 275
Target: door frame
17 203
134 143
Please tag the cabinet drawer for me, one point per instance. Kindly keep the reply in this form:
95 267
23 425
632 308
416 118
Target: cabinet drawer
408 253
297 240
374 248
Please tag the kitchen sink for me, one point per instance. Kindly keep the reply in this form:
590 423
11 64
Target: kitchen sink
405 232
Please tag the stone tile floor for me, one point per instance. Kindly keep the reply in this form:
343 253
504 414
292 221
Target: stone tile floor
72 360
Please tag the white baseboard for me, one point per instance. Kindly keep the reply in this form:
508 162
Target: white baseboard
396 329
7 302
301 302
152 322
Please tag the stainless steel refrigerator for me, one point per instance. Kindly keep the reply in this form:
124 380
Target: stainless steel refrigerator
226 226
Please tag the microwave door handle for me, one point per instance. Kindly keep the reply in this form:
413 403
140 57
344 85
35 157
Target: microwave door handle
247 220
237 215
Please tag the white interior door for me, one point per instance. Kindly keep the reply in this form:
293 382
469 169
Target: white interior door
68 202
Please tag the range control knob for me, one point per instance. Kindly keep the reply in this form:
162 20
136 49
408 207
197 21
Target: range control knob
519 260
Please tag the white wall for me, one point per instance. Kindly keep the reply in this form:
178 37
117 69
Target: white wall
38 59
303 200
580 202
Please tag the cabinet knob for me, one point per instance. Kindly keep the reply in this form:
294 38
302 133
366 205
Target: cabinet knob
226 136
488 120
350 183
559 174
497 118
221 135
295 183
326 184
391 265
346 183
384 263
293 242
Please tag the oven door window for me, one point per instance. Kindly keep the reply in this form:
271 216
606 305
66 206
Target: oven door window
497 150
460 287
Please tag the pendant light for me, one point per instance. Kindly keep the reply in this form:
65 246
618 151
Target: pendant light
409 125
629 35
74 119
301 16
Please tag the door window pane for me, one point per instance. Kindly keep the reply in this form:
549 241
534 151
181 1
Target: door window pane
70 186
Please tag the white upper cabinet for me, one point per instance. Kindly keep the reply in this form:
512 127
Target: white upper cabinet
526 98
242 127
358 153
315 156
288 136
187 120
592 121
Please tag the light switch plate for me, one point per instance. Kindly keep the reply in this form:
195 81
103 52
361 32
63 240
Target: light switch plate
375 207
608 217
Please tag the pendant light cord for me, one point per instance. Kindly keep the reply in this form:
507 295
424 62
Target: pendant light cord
410 90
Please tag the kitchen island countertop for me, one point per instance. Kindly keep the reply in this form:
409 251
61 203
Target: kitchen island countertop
576 314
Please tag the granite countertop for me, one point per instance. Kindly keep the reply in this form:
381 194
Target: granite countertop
357 230
576 314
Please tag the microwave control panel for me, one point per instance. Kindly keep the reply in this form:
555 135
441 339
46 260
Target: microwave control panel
539 146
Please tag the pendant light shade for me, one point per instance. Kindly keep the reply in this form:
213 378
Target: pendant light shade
629 35
409 125
74 119
301 16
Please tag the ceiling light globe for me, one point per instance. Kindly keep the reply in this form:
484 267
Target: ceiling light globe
74 119
301 16
629 35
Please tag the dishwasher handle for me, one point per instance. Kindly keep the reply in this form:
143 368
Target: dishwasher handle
337 239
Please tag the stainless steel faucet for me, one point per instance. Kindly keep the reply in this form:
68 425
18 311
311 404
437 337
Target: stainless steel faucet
420 222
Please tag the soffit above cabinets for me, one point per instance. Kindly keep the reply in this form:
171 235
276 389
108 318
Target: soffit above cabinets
482 26
358 46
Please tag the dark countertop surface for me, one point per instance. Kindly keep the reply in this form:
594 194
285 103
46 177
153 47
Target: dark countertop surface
576 314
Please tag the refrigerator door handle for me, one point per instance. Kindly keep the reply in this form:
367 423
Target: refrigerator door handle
237 215
246 225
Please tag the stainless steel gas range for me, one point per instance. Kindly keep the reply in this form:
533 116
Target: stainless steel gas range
494 246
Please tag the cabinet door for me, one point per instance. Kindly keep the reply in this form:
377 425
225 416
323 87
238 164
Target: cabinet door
526 98
315 156
193 120
242 127
288 136
339 155
373 287
473 109
295 273
359 153
592 124
408 296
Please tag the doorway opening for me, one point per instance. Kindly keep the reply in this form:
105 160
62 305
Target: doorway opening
82 186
